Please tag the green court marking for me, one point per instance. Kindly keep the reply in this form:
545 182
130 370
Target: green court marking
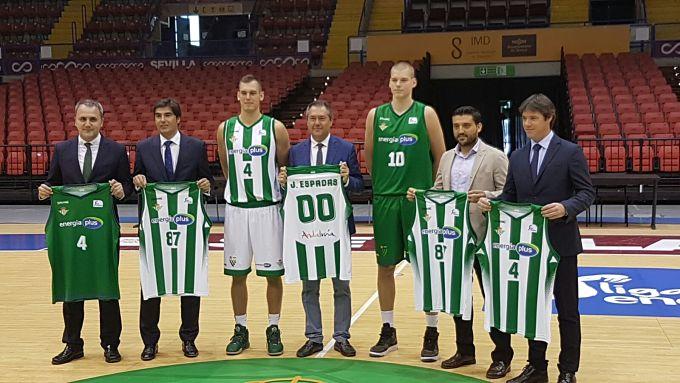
287 370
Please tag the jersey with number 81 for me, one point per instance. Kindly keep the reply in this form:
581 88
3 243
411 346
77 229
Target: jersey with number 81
82 236
401 150
518 270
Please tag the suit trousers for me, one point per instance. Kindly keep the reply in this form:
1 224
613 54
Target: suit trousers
465 338
150 312
110 325
568 318
342 310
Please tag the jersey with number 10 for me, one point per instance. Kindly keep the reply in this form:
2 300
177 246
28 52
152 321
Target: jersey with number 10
173 240
82 236
518 270
401 150
316 241
441 251
251 154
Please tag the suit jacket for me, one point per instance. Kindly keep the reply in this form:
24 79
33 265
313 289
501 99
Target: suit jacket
192 161
488 174
564 178
111 163
338 151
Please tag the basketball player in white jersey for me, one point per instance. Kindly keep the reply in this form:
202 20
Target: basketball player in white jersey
251 148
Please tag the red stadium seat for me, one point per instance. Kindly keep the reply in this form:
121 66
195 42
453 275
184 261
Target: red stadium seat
615 158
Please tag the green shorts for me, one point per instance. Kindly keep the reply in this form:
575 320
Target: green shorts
392 222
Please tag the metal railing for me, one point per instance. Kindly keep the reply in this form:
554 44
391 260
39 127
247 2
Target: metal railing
633 155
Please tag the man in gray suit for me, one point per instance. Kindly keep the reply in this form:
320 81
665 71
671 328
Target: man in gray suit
478 169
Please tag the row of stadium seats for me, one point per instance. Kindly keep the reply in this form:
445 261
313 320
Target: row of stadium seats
625 114
437 15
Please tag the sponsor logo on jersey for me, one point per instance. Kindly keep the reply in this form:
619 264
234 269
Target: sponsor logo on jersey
408 139
412 120
92 223
262 132
63 211
62 202
188 200
183 219
526 249
317 234
383 119
97 203
533 228
254 150
448 232
267 265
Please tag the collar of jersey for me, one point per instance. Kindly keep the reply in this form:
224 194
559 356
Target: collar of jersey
238 118
403 113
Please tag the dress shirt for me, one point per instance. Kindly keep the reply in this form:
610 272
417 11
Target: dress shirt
174 149
82 149
461 169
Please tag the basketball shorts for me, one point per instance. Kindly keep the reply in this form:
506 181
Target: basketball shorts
253 233
392 220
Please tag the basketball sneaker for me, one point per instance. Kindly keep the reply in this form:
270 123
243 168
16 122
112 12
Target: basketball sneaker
387 342
239 341
430 351
274 345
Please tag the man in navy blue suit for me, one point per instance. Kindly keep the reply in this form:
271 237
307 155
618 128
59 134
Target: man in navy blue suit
170 156
554 173
323 148
89 158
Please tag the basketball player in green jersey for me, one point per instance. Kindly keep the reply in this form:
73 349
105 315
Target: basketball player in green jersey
404 142
251 148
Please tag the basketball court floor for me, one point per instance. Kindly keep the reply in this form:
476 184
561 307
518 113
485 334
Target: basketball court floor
630 305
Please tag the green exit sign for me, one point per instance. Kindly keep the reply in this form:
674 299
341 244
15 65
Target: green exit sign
495 71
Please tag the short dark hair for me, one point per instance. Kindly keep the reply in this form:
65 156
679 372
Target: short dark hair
467 110
174 105
540 103
320 104
250 78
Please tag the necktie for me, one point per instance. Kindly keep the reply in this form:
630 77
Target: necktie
169 171
319 154
87 163
534 161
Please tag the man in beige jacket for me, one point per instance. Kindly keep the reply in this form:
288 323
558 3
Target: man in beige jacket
478 169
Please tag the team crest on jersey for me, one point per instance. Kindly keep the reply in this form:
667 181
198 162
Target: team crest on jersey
382 126
232 138
97 203
157 207
382 250
499 230
63 211
533 228
427 217
232 260
188 200
412 120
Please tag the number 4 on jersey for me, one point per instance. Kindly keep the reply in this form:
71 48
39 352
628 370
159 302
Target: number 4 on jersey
82 243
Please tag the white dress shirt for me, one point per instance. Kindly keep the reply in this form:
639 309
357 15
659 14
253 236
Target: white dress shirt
174 149
461 169
82 149
544 143
314 149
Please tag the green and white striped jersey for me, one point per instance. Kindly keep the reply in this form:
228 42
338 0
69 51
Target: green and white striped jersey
173 240
251 153
441 250
518 270
316 240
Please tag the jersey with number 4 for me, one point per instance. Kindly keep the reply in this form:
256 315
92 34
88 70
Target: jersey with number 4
173 240
401 150
518 270
441 250
316 240
82 234
251 154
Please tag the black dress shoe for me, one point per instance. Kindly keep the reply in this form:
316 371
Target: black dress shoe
458 360
111 354
530 375
567 377
189 349
70 353
345 349
498 370
149 352
308 349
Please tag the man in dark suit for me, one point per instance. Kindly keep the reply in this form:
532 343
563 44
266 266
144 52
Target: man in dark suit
89 158
323 148
170 156
552 172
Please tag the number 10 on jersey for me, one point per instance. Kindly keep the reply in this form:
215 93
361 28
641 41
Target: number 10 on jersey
397 159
